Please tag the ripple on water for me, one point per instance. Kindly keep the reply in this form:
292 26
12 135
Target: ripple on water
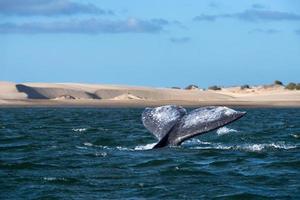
61 180
154 163
79 129
106 154
120 148
297 136
249 147
242 195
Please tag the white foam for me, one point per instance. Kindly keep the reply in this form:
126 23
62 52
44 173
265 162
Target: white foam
260 147
198 144
53 179
224 130
79 129
195 142
80 147
102 154
249 147
252 147
145 147
88 144
295 135
123 148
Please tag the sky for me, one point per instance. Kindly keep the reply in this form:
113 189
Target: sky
151 43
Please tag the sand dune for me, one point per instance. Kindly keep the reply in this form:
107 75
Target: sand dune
54 92
47 94
262 93
126 97
8 90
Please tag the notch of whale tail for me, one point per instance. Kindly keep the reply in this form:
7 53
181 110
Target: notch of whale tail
172 125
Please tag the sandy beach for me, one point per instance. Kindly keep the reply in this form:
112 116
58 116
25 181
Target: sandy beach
100 95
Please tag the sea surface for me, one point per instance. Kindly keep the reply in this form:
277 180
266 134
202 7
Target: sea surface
96 153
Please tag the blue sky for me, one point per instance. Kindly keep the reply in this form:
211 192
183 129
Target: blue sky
152 43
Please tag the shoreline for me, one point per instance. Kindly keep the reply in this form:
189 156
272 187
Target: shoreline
142 104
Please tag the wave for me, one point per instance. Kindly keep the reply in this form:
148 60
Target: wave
259 147
249 147
53 179
198 144
120 148
88 144
224 130
193 142
89 129
145 147
101 154
61 180
295 136
243 195
79 129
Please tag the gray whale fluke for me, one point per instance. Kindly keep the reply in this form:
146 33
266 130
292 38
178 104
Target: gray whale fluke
172 125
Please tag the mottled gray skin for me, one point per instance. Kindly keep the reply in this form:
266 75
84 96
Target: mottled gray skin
172 125
161 120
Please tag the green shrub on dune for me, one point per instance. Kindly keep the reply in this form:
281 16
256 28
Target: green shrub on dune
277 82
214 87
245 87
191 87
293 86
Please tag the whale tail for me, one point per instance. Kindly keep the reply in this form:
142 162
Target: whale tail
172 125
160 120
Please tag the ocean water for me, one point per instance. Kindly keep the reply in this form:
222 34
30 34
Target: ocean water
96 153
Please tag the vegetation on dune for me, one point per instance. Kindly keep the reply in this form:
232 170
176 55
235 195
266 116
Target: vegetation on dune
293 86
214 87
290 86
190 87
245 87
277 82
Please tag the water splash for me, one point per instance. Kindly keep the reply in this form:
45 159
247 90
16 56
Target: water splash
249 147
101 154
198 144
193 142
295 136
53 179
224 130
79 129
88 144
119 148
145 147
